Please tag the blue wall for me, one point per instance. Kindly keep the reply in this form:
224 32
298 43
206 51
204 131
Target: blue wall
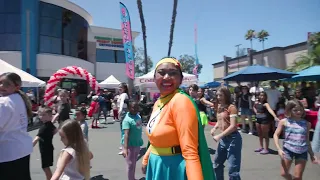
33 7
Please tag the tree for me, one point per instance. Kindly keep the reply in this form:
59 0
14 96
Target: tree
173 22
312 58
139 65
251 35
144 34
263 36
188 63
241 52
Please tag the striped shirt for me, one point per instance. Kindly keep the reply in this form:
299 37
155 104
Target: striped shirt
296 136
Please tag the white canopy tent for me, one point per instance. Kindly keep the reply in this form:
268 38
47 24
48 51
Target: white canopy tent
146 82
27 79
111 82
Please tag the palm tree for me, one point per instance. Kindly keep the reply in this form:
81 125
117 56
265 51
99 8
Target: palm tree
173 22
250 36
144 34
262 36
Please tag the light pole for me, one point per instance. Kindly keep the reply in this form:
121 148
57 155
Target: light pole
238 52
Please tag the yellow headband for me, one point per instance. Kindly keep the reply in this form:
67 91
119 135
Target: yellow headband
169 60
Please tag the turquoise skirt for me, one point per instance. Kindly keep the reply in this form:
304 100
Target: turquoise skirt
166 167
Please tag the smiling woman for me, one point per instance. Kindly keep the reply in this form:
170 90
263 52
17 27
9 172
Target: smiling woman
175 138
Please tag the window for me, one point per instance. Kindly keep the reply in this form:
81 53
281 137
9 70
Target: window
121 57
62 32
10 25
105 55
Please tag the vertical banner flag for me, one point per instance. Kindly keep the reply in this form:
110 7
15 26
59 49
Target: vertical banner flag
127 40
195 69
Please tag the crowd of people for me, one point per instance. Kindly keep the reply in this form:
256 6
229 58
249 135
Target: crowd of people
177 147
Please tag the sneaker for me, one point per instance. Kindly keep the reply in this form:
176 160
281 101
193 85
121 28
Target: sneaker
258 150
250 133
120 153
120 148
264 151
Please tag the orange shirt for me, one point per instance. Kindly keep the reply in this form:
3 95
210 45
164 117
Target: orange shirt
176 125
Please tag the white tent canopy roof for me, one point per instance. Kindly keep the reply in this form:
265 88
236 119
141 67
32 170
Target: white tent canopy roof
147 80
27 79
110 82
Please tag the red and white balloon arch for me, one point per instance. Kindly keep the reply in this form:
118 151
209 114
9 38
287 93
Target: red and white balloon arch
49 96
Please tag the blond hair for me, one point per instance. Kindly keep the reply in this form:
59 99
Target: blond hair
74 135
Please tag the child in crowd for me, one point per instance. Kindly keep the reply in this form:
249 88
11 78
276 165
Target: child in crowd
261 109
132 126
94 111
296 144
115 108
81 118
44 137
63 110
280 110
84 108
74 160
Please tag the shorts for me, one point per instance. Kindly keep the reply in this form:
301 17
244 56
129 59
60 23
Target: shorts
46 159
17 169
204 118
95 115
246 112
289 155
263 121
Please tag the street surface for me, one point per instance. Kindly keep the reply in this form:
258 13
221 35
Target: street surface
108 165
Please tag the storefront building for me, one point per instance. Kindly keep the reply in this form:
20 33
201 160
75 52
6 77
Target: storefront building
42 36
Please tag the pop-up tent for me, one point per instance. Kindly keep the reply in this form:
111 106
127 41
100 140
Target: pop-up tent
27 79
111 82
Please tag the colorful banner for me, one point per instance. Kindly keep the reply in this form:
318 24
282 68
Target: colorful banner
127 40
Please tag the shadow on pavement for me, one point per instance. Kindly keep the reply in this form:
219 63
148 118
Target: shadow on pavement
98 177
273 152
143 178
141 153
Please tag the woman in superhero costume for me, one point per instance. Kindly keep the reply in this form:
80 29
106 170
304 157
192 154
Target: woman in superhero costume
178 149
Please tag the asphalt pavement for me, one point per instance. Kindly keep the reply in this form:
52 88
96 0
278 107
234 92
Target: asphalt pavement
108 165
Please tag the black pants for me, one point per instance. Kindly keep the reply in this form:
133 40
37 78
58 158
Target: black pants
16 170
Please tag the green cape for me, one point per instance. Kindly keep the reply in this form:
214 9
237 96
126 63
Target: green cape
205 159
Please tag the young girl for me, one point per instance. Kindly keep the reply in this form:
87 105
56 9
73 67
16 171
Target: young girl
63 107
15 141
244 103
261 109
74 160
296 144
230 140
94 111
132 126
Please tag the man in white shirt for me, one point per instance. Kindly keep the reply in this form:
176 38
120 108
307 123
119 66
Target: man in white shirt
273 95
255 91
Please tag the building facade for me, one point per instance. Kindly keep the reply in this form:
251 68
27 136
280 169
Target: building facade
42 36
277 57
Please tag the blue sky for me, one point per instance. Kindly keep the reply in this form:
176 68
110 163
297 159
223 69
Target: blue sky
221 25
